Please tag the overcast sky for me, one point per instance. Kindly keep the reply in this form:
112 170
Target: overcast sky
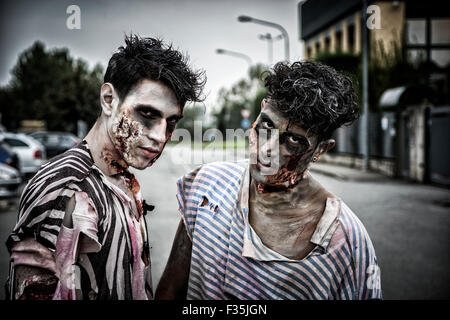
197 27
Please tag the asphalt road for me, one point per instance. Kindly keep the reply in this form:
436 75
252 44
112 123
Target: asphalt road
409 225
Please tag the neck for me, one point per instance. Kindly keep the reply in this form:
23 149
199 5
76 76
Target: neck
297 196
105 155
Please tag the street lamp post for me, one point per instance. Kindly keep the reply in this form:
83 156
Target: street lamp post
273 25
365 90
235 54
270 41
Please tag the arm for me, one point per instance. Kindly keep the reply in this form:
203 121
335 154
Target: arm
174 281
33 271
33 283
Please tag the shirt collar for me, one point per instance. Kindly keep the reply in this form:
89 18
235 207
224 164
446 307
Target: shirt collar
324 229
115 170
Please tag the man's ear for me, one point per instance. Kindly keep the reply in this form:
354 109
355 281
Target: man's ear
324 146
108 98
263 103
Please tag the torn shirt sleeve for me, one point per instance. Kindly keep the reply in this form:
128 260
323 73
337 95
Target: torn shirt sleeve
71 242
85 219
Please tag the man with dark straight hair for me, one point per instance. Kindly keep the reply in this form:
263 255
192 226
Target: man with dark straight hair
81 231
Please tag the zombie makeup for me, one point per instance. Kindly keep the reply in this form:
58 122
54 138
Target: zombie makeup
148 115
294 150
126 136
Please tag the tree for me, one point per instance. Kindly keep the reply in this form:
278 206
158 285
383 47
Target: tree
245 94
191 113
52 86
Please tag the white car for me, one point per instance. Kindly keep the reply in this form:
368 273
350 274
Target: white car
31 152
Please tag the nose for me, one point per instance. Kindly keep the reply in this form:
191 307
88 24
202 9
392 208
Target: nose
158 132
269 145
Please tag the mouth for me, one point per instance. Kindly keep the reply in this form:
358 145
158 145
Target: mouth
149 152
262 165
268 167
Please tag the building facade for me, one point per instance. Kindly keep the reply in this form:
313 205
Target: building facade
404 133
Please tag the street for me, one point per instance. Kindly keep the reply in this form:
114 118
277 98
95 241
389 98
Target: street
409 225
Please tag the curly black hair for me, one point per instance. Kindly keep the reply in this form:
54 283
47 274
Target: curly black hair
315 96
150 58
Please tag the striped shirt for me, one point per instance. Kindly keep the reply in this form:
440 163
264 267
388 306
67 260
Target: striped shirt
229 260
111 240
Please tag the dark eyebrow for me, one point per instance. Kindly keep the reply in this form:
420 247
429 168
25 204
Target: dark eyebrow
147 108
156 112
297 135
266 117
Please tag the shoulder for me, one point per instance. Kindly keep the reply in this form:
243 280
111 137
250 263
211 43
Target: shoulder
218 182
352 225
362 255
352 236
213 176
71 167
76 162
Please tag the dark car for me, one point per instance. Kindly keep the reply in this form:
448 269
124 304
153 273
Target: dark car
55 142
10 181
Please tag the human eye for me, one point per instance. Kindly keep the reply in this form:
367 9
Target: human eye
293 140
172 121
298 141
148 114
266 123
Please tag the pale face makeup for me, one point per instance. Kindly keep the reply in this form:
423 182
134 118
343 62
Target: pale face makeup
144 122
291 149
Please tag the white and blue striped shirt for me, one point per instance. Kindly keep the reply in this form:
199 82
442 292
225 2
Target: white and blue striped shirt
229 260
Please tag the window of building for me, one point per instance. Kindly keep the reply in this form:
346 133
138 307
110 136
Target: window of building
416 56
432 45
440 31
428 41
441 57
416 31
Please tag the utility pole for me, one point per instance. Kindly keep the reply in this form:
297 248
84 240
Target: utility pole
270 41
365 90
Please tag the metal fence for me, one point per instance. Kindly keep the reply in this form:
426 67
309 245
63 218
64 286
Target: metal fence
439 147
381 136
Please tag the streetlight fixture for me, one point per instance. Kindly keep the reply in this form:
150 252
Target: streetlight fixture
270 41
235 54
283 31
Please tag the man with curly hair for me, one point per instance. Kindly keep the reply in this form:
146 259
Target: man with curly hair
81 231
265 228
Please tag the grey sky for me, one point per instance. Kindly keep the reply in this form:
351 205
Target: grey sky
197 27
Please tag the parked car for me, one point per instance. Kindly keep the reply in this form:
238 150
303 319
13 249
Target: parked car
7 154
31 152
55 142
9 182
